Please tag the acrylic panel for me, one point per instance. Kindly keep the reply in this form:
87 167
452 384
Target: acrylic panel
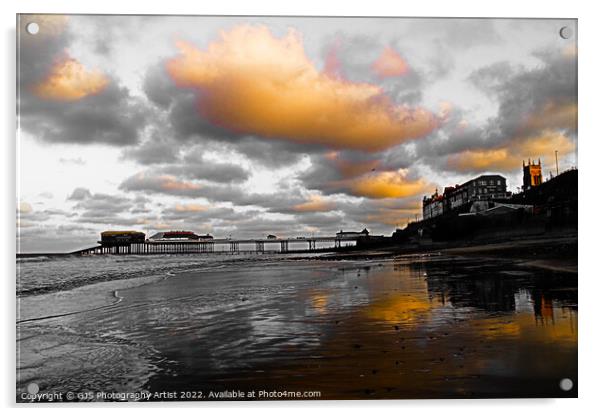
295 208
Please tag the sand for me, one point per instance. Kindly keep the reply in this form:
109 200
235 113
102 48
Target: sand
425 326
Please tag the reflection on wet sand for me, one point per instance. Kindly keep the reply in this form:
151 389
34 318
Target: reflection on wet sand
430 327
426 329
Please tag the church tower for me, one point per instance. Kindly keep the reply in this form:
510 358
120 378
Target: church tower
532 174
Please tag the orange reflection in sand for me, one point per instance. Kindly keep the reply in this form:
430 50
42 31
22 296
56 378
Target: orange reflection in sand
318 302
405 309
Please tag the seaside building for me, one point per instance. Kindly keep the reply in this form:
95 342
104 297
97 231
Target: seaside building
432 206
121 238
179 236
532 174
351 234
482 188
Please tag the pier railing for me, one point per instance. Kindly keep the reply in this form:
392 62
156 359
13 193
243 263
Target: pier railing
282 245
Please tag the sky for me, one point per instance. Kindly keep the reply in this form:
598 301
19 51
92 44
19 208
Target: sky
293 126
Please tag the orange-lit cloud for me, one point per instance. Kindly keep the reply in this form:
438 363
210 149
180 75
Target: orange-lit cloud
553 115
165 183
387 185
69 80
332 64
511 155
390 64
190 208
252 82
315 204
394 217
352 168
390 218
169 183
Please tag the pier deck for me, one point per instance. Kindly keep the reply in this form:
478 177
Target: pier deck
209 246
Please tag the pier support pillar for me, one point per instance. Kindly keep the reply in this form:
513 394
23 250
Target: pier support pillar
284 246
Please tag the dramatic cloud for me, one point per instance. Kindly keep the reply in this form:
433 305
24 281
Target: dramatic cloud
285 97
150 182
62 101
535 99
510 156
363 175
195 165
69 80
387 185
101 204
106 209
286 126
537 115
166 184
155 150
315 204
390 64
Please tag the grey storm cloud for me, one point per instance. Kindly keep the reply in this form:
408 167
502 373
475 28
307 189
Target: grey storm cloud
157 149
180 105
281 200
101 208
187 126
112 116
209 171
36 216
52 238
249 223
195 165
530 91
353 57
169 185
93 205
326 175
521 92
254 227
80 194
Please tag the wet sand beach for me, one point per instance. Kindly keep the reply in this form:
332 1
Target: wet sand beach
419 326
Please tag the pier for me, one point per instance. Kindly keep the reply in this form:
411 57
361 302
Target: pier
225 245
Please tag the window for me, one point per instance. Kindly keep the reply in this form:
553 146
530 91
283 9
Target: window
499 182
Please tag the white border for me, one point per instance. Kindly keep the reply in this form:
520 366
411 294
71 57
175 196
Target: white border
589 159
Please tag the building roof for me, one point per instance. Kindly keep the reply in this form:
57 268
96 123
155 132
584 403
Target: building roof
113 233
